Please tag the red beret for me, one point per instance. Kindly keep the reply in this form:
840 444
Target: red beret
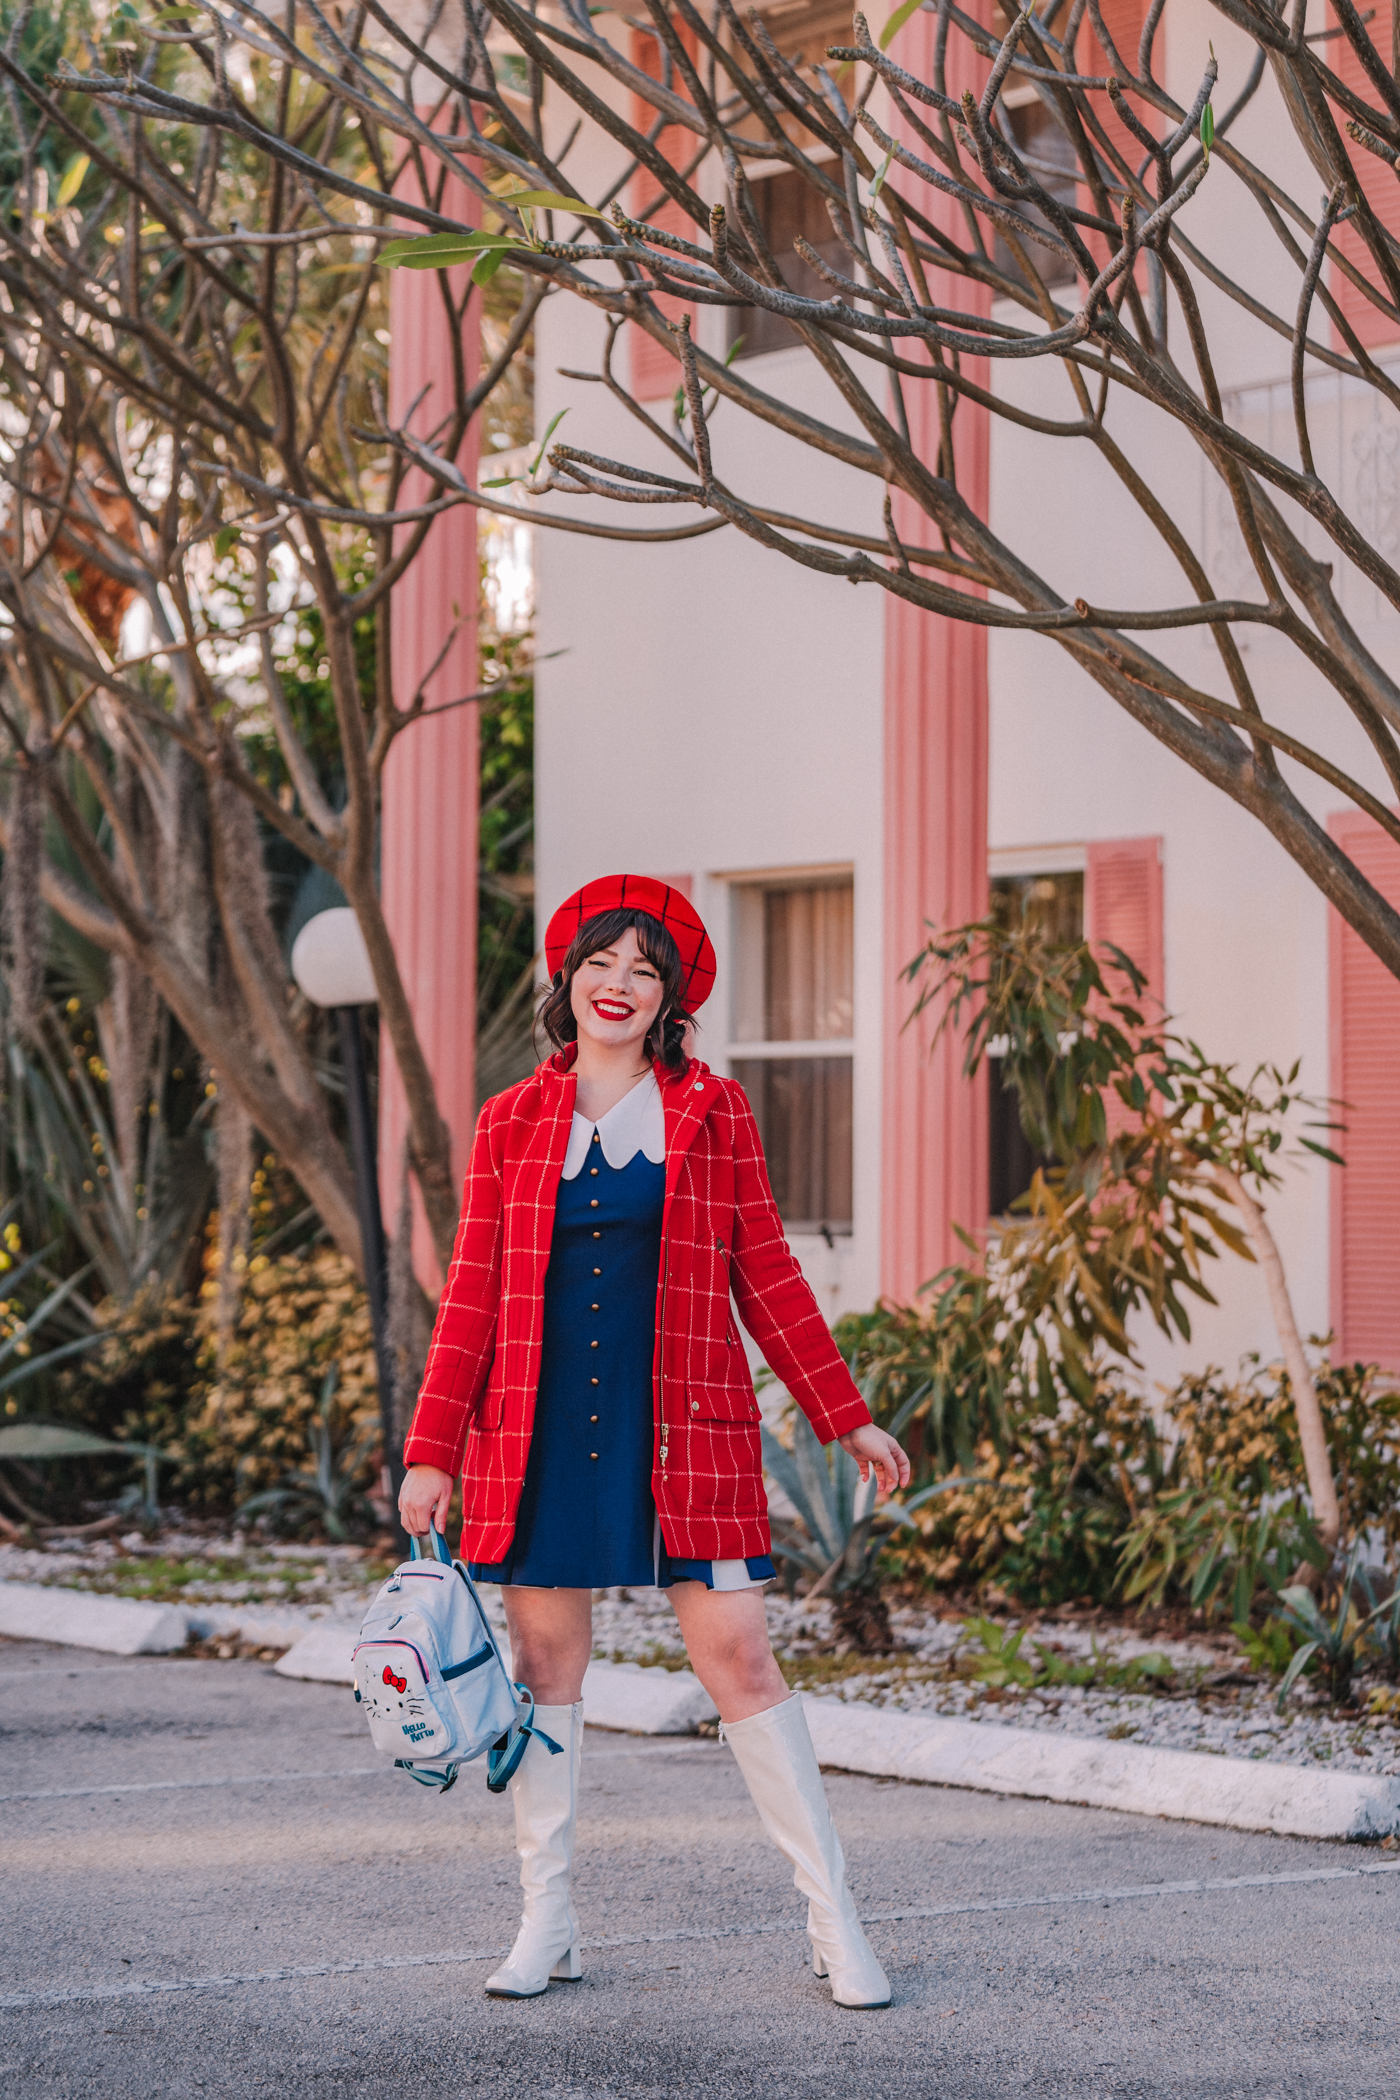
639 893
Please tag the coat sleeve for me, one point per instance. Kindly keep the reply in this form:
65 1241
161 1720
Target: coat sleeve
774 1298
464 1335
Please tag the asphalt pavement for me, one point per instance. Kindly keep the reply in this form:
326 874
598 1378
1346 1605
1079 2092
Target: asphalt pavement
210 1887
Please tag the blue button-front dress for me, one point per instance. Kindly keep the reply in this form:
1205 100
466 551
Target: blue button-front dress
586 1518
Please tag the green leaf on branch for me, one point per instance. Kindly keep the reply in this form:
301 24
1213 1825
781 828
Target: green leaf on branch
555 421
879 183
487 265
549 200
439 251
1207 129
72 179
227 537
897 21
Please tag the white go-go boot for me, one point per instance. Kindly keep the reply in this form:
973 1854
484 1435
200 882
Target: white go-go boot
774 1752
545 1793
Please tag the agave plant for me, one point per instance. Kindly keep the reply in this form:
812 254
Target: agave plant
31 1442
329 1491
843 1530
1335 1643
20 1329
132 1220
1383 1623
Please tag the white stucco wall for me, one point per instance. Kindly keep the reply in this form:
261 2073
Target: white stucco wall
705 708
710 709
1245 930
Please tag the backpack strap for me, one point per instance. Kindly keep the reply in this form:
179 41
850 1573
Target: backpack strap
440 1549
443 1782
503 1758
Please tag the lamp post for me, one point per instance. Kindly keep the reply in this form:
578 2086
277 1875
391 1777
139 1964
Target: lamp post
332 968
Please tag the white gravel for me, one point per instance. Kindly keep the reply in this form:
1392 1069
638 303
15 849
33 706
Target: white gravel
1226 1721
271 1595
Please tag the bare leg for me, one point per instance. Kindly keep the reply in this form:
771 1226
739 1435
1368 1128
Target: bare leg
551 1640
726 1637
726 1633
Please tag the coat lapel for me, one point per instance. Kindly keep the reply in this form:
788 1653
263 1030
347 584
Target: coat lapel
685 1102
542 1162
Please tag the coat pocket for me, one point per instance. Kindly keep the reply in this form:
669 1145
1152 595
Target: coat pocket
719 1401
490 1409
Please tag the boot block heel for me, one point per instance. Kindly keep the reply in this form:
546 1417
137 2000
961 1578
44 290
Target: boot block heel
819 1967
568 1968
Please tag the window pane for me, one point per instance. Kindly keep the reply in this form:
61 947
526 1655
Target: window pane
1011 1163
1048 156
788 205
1055 905
808 964
803 1107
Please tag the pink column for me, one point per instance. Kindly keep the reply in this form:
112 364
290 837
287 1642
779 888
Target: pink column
934 1121
428 845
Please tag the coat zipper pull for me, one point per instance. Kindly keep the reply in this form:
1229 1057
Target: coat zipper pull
664 1434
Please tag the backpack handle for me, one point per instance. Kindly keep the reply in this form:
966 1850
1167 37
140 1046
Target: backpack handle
440 1552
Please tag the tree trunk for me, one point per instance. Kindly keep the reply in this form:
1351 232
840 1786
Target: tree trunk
1311 1433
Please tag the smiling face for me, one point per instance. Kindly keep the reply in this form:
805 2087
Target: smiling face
616 995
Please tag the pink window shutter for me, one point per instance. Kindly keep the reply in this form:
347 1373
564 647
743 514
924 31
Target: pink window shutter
655 373
1364 1001
1123 906
1371 325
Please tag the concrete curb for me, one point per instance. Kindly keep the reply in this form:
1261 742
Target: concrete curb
645 1701
1185 1785
931 1750
115 1625
321 1656
259 1628
615 1695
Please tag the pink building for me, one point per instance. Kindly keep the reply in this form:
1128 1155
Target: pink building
826 770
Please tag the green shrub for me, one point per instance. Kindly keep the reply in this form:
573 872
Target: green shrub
1047 1519
1017 1362
1087 1493
235 1428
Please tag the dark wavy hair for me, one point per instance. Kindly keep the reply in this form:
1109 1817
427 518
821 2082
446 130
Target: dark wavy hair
666 1036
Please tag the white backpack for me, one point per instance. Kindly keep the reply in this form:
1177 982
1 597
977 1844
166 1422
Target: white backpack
430 1678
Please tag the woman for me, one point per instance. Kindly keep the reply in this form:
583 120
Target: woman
588 1381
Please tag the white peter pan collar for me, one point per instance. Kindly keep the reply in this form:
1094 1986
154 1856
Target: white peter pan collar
636 1123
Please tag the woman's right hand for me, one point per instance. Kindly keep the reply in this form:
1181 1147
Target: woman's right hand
424 1499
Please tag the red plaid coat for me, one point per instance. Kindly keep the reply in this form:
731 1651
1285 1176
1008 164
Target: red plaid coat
720 1233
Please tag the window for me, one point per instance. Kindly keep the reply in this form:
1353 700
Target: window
1044 146
792 1046
1054 904
788 206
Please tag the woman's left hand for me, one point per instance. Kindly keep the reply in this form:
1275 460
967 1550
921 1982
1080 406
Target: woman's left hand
870 1446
